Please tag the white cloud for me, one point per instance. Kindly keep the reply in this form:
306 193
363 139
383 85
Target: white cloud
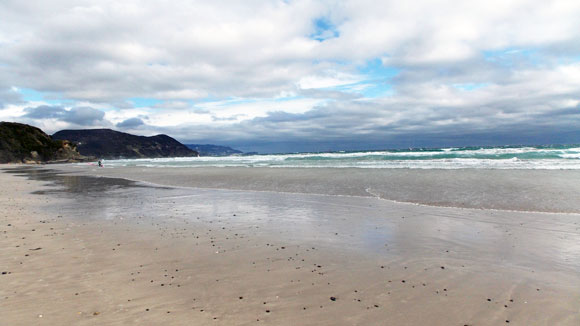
227 64
331 79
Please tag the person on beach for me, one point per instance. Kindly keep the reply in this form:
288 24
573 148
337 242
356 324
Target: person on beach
100 164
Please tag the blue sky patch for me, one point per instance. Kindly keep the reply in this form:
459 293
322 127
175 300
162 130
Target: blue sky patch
375 69
288 98
377 90
378 82
470 86
32 95
509 57
324 29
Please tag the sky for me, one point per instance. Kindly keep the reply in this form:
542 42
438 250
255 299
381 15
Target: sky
285 76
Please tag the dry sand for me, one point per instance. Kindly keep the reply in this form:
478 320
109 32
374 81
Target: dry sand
98 251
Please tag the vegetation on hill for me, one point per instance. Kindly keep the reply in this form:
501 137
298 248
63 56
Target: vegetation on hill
21 143
110 144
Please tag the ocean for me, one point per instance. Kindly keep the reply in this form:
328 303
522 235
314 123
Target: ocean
545 157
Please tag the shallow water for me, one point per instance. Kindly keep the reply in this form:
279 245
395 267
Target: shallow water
521 190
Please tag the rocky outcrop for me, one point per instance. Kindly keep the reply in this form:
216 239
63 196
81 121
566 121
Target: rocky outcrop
21 143
110 144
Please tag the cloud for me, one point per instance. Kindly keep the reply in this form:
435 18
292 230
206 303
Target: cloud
130 123
81 116
295 71
94 51
9 96
229 118
45 112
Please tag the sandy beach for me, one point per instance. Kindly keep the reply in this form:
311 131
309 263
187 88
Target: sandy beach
82 246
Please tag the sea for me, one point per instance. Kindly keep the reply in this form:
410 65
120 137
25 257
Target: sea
545 157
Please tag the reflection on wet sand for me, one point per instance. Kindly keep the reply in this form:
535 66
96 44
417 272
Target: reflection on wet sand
176 255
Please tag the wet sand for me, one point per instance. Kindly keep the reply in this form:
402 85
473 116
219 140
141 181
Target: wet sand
101 251
521 190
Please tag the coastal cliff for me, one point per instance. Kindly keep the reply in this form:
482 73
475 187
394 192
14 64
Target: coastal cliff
21 143
110 144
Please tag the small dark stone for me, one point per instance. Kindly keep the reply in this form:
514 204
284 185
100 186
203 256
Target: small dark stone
268 311
442 267
4 273
332 299
489 299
